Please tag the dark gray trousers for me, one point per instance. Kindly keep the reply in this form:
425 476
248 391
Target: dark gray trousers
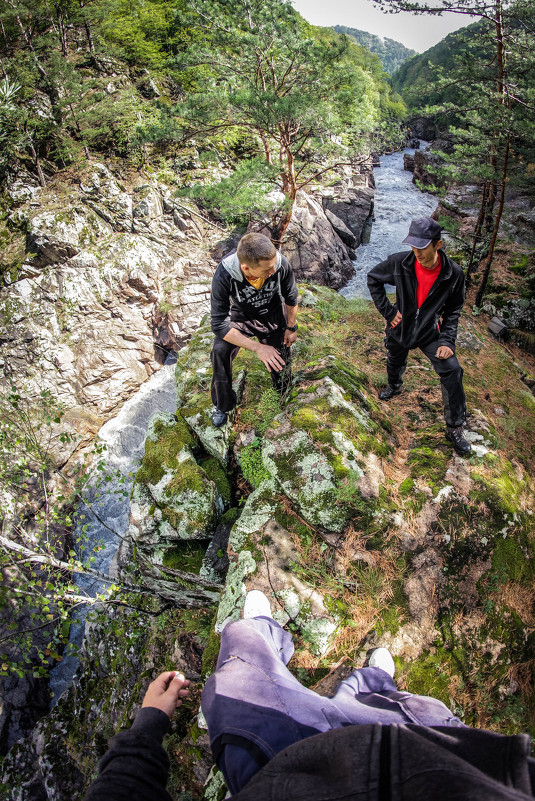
448 370
224 353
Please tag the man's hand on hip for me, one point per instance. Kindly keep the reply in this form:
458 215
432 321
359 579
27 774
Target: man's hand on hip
271 357
444 352
397 319
289 337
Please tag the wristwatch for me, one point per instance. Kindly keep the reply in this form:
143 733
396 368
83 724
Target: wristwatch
292 327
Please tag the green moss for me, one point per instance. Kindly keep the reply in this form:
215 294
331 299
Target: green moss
429 460
513 561
406 487
217 473
431 673
162 450
501 492
230 516
186 555
187 476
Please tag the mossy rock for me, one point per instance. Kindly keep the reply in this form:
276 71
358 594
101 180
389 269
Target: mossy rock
183 504
167 436
305 475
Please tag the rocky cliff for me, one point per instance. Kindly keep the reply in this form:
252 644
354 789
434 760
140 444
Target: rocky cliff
109 272
355 518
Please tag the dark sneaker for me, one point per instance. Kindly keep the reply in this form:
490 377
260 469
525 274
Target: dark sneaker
458 440
219 418
389 392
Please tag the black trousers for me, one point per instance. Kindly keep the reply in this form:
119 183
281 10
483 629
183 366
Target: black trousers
448 370
224 353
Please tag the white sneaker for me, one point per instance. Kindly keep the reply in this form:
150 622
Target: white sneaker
381 658
256 605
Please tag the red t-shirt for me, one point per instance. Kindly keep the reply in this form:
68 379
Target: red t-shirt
426 279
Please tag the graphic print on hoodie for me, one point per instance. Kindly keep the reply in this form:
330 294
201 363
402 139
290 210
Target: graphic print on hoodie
233 297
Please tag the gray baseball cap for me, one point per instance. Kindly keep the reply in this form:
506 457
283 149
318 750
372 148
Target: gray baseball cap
422 232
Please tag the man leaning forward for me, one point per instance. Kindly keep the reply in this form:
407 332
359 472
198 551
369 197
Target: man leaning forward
254 294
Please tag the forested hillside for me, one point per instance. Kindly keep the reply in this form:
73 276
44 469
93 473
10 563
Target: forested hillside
392 54
475 87
142 81
417 76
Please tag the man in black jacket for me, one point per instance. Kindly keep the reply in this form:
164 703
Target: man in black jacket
253 295
429 299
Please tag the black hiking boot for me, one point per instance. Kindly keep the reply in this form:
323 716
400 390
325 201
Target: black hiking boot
389 392
458 440
219 418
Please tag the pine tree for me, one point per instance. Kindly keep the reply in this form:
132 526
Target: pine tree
490 113
304 94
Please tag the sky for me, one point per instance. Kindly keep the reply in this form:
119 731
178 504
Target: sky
418 32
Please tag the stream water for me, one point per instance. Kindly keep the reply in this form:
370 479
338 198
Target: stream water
397 201
124 437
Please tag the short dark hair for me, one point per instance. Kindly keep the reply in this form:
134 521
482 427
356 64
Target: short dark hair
436 241
253 248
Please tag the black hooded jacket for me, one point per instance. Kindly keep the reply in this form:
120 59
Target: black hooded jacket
355 763
438 315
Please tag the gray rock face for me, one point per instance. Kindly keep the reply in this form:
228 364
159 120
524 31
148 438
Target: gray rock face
425 164
58 236
313 247
354 207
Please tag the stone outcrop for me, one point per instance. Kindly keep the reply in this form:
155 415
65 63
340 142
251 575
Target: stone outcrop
327 227
313 247
352 206
109 284
425 166
362 527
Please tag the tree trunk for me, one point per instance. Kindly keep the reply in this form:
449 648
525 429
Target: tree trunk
289 188
80 133
87 29
488 260
477 232
35 157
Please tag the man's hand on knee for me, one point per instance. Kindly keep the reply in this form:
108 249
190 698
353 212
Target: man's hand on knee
444 352
271 357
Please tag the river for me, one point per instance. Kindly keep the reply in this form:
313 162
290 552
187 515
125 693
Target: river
124 437
397 201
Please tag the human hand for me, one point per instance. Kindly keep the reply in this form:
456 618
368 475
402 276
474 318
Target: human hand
166 692
271 357
444 352
289 337
396 320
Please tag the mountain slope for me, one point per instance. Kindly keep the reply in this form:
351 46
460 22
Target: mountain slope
392 54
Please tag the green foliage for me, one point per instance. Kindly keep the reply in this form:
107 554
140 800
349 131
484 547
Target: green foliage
217 473
36 521
392 54
243 196
251 464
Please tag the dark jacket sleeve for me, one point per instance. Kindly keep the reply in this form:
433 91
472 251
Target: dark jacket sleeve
381 274
288 285
220 302
452 311
135 766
